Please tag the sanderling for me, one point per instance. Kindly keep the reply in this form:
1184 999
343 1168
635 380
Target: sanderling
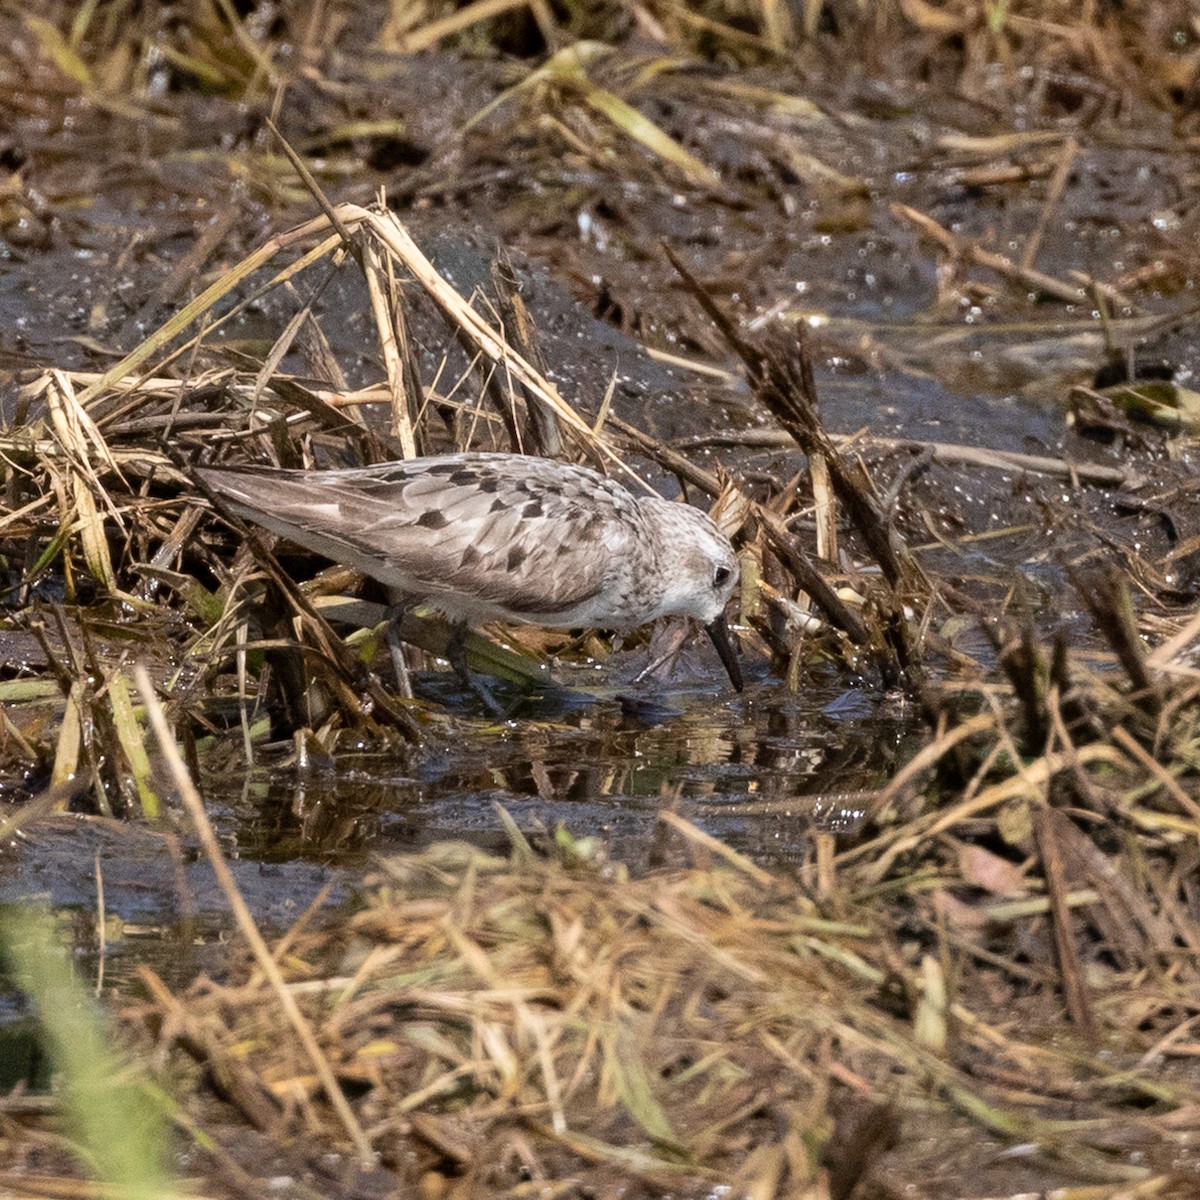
503 537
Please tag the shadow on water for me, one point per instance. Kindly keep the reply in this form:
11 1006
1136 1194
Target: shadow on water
760 772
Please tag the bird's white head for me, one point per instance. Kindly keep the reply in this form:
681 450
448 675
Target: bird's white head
699 569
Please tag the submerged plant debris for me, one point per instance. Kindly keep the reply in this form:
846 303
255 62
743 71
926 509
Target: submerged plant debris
903 293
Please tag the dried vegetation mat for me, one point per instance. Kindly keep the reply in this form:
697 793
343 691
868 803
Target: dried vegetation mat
544 1023
1010 966
996 976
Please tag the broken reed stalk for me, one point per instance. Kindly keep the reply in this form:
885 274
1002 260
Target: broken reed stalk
1020 657
782 378
1106 593
807 577
1046 827
391 329
542 433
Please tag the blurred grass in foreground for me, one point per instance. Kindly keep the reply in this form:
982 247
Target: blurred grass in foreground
113 1119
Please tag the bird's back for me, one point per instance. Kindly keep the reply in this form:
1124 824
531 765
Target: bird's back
478 536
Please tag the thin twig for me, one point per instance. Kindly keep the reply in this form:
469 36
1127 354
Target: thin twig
266 962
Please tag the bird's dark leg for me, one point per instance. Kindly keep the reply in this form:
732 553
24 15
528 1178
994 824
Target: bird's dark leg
395 614
456 655
673 644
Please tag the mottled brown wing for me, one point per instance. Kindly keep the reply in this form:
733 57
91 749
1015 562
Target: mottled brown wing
534 541
528 542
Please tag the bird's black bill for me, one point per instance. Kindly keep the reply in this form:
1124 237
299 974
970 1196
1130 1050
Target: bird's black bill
719 632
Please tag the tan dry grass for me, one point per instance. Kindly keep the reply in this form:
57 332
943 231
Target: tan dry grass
547 1015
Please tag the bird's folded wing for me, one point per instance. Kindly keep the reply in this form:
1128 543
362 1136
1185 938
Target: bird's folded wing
530 554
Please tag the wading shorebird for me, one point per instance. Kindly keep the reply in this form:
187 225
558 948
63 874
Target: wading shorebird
503 537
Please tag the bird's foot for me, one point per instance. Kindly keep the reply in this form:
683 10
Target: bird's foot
456 655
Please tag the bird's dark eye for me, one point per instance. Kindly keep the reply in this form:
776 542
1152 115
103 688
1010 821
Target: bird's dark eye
721 577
